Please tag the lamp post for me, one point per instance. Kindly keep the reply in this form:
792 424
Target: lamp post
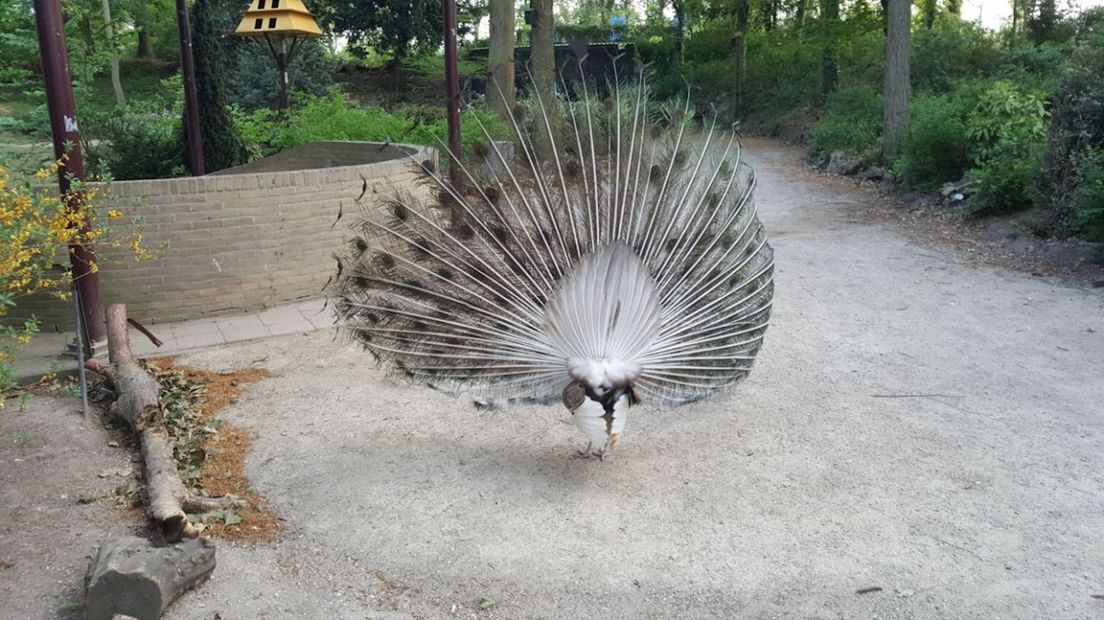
284 25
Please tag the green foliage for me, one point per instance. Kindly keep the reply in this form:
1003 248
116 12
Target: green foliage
1007 127
1075 141
212 26
852 121
951 52
937 149
255 82
333 118
136 143
1088 197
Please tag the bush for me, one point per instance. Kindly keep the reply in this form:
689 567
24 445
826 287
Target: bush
937 149
1007 127
950 52
331 118
35 228
1088 198
1076 136
852 121
256 85
136 143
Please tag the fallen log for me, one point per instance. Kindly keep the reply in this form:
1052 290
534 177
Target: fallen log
138 404
131 578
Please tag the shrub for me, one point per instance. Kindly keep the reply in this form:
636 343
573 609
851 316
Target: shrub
1007 127
256 84
852 121
35 228
937 149
1076 136
331 118
136 143
1088 198
950 52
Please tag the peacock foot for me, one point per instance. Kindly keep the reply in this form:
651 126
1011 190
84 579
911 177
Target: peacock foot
584 453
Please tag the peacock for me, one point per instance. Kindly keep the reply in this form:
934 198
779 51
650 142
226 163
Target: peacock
608 254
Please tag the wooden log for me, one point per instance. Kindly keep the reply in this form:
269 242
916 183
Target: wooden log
131 577
138 403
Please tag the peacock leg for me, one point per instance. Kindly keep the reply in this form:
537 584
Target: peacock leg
584 454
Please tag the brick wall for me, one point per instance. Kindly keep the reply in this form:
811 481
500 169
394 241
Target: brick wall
239 242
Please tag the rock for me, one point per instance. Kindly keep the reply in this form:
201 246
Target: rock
131 577
873 173
842 162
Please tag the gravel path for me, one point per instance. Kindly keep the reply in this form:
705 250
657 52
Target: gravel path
914 423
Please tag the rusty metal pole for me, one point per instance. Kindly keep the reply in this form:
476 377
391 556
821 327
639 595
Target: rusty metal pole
191 101
66 136
452 79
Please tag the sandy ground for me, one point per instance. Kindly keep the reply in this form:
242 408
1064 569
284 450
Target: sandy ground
914 423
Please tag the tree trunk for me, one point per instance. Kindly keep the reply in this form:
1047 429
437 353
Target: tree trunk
141 20
898 47
829 13
799 15
500 59
680 30
954 7
542 64
86 34
740 83
109 30
930 10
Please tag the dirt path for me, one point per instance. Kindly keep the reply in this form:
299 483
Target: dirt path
914 423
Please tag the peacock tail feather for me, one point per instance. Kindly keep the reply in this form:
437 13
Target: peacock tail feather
612 241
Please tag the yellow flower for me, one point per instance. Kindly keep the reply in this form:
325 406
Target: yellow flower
114 214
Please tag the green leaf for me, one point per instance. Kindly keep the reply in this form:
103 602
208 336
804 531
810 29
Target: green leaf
229 518
487 603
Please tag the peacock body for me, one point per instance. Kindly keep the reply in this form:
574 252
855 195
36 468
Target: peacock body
614 258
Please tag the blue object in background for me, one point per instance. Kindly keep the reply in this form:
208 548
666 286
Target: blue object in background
616 22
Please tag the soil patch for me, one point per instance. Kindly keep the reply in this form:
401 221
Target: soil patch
223 470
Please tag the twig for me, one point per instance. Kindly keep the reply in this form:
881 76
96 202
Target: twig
915 396
148 334
868 590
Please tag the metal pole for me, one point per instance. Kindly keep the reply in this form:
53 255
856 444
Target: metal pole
191 101
452 106
283 58
66 135
80 359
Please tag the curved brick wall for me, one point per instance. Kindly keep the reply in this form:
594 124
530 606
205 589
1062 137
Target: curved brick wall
244 238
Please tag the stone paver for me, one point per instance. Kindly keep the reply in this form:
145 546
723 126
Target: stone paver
44 354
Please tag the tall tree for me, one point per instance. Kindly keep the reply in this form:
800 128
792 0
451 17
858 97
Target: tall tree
142 28
829 17
930 9
542 66
680 29
212 22
800 10
109 30
500 59
740 13
895 123
395 27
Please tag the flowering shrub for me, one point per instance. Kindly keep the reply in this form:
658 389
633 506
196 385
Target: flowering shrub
35 228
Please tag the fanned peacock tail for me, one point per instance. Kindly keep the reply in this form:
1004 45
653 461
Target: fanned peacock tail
618 244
